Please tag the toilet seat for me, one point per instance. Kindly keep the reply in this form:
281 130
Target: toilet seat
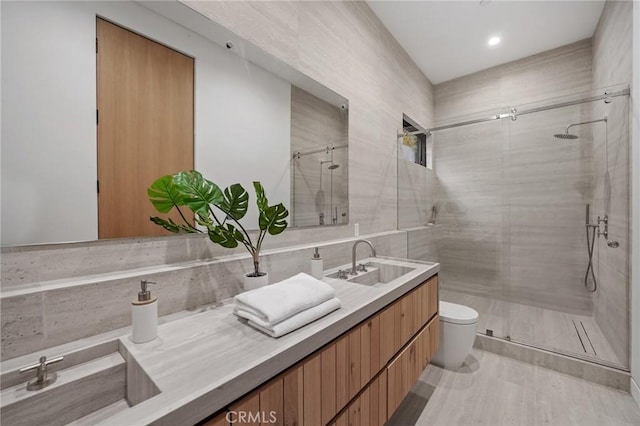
457 314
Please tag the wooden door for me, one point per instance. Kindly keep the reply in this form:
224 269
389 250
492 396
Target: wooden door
145 126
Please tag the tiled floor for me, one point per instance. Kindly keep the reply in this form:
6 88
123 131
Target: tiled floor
545 328
493 390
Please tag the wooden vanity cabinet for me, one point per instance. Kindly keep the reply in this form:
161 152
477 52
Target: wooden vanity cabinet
358 379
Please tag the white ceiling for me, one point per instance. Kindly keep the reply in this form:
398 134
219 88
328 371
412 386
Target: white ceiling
448 39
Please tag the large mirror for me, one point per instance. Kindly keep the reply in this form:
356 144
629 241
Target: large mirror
101 98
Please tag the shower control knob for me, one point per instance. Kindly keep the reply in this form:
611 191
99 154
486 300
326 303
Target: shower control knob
613 244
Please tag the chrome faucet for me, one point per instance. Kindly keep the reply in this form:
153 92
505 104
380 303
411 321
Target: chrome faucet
43 379
354 271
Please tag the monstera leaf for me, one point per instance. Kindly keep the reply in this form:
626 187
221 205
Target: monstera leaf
235 202
272 219
223 236
197 192
261 198
171 226
164 195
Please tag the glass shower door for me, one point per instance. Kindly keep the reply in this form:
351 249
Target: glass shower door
555 171
468 162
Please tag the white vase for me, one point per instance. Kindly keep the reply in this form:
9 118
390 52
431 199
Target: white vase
251 283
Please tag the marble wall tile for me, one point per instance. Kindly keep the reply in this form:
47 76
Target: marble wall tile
53 315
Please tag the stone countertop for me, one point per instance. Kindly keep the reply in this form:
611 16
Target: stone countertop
204 362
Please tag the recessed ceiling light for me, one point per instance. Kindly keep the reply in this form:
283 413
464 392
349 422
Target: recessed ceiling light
494 41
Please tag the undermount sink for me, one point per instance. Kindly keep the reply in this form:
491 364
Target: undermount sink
89 381
376 273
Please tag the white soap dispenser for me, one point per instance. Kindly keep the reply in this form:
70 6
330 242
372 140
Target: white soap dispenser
144 315
317 267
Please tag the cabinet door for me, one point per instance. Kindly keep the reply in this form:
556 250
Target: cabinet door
414 320
365 353
354 413
423 304
218 420
272 403
387 335
400 332
376 398
374 361
354 362
342 419
365 406
328 379
342 372
247 410
434 336
293 383
383 415
312 390
433 296
394 383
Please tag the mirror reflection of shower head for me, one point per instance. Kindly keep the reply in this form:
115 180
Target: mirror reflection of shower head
333 166
567 135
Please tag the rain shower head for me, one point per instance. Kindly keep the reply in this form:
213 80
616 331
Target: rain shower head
333 166
565 136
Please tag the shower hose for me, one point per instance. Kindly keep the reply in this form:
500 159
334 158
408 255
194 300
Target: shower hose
591 242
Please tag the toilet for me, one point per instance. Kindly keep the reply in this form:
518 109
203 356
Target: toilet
458 326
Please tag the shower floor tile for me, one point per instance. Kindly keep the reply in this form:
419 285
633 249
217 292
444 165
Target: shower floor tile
531 325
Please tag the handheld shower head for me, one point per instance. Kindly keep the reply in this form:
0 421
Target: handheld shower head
334 166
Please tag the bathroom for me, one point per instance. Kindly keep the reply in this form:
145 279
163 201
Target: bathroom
467 166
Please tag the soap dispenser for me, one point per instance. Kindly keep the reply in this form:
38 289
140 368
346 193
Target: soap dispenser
316 265
144 315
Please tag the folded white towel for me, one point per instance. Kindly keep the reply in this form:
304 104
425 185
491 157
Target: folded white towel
299 320
277 302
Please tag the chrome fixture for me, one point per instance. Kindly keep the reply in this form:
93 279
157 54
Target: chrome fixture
514 114
342 274
613 244
42 379
354 270
567 135
604 220
362 267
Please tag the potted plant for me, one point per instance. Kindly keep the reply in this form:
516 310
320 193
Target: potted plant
219 212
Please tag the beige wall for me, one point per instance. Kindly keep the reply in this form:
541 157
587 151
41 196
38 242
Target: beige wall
344 46
510 196
612 64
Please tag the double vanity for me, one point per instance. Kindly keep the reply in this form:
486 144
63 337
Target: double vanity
208 366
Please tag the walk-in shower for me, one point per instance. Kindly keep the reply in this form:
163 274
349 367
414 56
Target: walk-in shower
510 235
319 186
